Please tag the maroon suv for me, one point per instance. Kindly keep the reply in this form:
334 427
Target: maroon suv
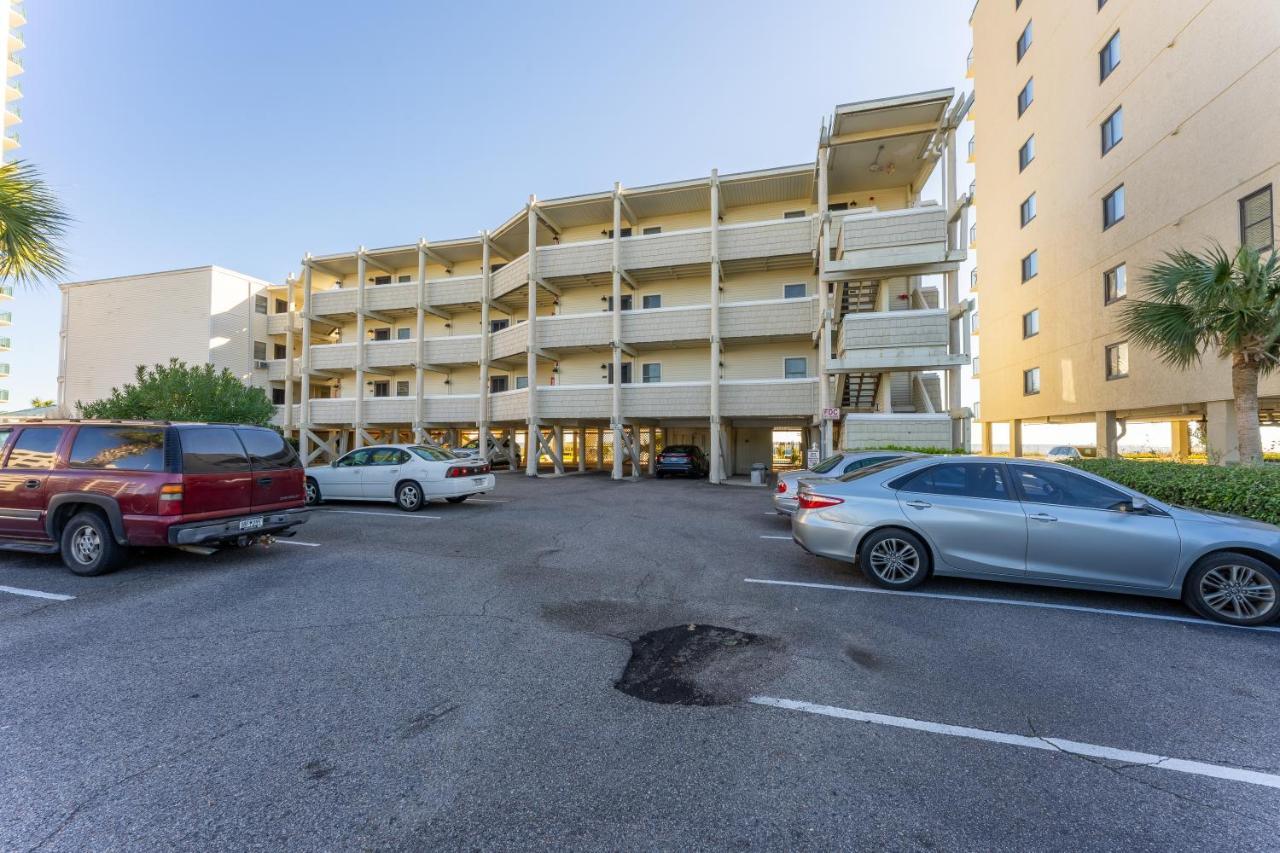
91 489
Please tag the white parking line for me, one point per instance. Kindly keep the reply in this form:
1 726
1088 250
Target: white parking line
974 599
788 538
35 593
1051 744
383 514
488 501
295 542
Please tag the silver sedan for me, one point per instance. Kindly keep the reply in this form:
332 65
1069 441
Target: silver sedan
1040 523
787 492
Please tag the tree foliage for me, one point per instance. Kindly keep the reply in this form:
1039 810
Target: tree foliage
181 392
32 224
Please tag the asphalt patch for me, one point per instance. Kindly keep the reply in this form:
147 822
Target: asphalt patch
700 665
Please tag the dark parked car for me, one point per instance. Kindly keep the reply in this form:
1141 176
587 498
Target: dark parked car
90 489
686 459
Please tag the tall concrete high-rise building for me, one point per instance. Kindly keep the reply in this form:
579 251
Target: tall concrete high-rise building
1109 132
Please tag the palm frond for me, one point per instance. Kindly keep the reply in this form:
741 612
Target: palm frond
32 225
1171 330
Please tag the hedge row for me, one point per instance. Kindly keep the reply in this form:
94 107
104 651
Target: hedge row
1253 492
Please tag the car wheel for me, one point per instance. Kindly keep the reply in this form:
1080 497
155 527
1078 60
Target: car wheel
894 559
311 489
1234 588
409 496
457 499
88 546
660 474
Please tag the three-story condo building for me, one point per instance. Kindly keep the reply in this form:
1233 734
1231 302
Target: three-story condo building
820 299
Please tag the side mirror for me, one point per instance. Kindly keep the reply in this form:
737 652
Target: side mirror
333 464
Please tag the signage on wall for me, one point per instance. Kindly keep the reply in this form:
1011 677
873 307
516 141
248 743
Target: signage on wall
811 457
831 414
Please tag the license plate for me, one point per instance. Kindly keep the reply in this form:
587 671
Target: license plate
250 523
479 481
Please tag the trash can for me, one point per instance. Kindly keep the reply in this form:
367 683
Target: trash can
758 470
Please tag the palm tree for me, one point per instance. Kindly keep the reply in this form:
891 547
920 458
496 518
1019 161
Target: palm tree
1214 301
32 224
40 403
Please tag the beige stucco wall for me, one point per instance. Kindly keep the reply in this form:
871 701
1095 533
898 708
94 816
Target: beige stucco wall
1194 80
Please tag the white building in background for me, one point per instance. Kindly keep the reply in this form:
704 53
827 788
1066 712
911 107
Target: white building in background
199 315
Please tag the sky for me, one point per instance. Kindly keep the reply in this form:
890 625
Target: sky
245 134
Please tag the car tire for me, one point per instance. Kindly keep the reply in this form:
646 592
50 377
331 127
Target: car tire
1233 588
311 491
88 546
409 496
660 474
894 559
457 499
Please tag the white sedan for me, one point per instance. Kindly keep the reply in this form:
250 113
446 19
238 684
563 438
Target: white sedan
408 474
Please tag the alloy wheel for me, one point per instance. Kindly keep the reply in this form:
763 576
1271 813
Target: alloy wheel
894 560
1237 592
311 492
409 496
86 544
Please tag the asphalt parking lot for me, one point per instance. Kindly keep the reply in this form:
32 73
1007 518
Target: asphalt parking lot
446 680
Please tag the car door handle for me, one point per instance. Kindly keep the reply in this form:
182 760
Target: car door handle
264 481
32 484
919 504
1042 516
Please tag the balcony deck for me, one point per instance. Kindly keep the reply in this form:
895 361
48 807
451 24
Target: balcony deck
870 241
934 431
895 340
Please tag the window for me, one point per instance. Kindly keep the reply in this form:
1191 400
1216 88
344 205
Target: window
1060 486
437 454
795 291
355 458
795 368
837 207
859 464
497 384
627 302
260 350
1031 381
977 364
404 279
380 334
1031 266
277 396
260 304
1113 207
652 300
381 279
651 229
404 334
1112 130
794 214
626 373
387 456
402 387
497 266
1027 153
382 388
1101 3
1026 96
267 449
626 232
1257 224
212 450
1115 283
1027 211
282 307
960 479
118 448
1109 57
498 325
1031 323
1118 361
651 372
1024 41
522 382
280 351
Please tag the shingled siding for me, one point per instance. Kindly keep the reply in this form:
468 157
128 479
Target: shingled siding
511 277
566 259
775 317
575 401
389 410
769 399
462 408
661 324
900 237
455 291
509 341
864 431
666 400
509 406
389 353
339 411
575 331
462 349
391 297
663 250
768 239
922 328
337 301
333 356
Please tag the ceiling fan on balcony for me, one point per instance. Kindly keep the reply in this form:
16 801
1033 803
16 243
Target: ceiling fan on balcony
887 168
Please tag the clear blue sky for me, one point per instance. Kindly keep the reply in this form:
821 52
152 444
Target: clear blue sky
247 133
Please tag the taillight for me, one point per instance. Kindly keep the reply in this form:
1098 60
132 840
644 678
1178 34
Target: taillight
812 501
171 499
782 487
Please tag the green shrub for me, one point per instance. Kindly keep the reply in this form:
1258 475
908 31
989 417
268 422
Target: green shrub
905 448
1253 492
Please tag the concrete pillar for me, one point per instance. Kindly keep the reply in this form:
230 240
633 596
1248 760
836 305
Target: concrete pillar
1180 440
420 332
580 448
884 393
825 313
717 463
304 419
615 417
987 444
486 294
1015 438
1106 435
361 271
653 451
1220 434
557 440
531 464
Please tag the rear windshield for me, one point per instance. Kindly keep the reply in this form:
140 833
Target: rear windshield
118 448
827 464
681 448
432 454
877 468
1061 451
212 450
267 449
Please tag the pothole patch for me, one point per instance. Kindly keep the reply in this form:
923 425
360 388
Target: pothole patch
700 665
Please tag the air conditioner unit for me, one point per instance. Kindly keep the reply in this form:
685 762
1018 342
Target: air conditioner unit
260 365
